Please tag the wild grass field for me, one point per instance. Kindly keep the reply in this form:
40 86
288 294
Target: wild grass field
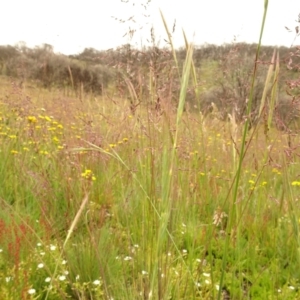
142 233
106 197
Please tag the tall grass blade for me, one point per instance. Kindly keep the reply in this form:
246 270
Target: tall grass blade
70 231
194 73
267 84
233 211
170 42
274 92
71 77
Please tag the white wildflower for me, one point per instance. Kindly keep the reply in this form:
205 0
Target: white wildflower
52 247
62 277
31 291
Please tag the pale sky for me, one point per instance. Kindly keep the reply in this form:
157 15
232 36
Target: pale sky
72 25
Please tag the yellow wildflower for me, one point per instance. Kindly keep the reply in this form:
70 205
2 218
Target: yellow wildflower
31 119
88 174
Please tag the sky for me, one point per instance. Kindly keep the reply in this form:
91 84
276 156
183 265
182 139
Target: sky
70 26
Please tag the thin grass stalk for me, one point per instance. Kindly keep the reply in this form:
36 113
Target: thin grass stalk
133 95
267 84
169 162
197 92
234 132
152 85
232 211
194 73
184 85
171 42
71 77
70 231
194 76
274 92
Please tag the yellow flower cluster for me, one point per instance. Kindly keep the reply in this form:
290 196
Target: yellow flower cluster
88 174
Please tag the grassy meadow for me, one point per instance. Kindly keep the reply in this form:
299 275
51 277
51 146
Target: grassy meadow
91 210
107 197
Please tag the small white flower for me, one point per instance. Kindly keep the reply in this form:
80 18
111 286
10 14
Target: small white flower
62 277
291 287
169 254
7 279
127 258
40 266
96 282
144 272
31 291
198 260
217 287
52 247
39 244
279 290
206 274
1 250
66 272
63 262
48 279
77 277
198 284
207 281
184 251
136 246
42 253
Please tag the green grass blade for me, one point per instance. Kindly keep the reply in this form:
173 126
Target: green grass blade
170 42
233 212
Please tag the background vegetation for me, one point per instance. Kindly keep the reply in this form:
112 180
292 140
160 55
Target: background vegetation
224 74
